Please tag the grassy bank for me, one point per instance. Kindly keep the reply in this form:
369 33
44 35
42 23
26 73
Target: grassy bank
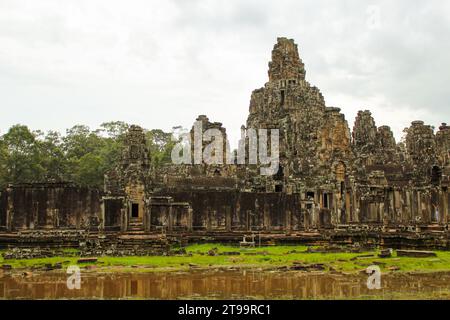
274 257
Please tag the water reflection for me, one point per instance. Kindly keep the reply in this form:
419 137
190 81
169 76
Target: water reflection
215 285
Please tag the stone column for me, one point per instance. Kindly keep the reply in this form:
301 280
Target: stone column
170 227
391 209
207 219
444 202
9 210
148 217
236 214
124 218
335 210
347 207
190 218
288 220
228 218
266 217
409 206
413 205
356 208
102 215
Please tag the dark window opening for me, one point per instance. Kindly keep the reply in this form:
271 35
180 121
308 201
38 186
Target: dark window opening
310 195
326 203
282 97
135 210
436 175
279 188
134 287
342 187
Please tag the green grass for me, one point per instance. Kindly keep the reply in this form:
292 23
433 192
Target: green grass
271 257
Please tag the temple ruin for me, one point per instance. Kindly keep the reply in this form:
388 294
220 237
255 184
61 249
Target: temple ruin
333 182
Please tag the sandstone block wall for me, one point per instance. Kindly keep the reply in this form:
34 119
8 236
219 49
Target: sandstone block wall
48 206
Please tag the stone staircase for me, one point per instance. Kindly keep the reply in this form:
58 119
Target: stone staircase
136 225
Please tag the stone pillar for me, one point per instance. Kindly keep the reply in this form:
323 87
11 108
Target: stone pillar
348 207
288 220
267 217
356 208
315 216
381 213
190 218
50 204
444 201
56 218
413 205
9 210
409 206
148 217
419 206
237 213
335 209
207 219
124 218
391 208
228 218
170 226
34 223
102 215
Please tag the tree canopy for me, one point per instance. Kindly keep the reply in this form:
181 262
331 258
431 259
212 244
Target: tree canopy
82 155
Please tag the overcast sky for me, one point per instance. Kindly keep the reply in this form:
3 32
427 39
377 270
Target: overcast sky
159 64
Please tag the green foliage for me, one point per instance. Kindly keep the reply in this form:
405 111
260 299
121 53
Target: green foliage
53 157
82 156
271 257
22 156
160 146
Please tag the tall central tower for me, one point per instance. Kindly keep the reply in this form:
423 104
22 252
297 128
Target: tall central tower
314 139
286 62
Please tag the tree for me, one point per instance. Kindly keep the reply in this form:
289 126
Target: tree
89 171
22 156
115 129
160 146
81 156
3 164
112 150
53 157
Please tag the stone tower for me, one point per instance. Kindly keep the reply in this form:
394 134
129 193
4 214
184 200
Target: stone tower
131 179
286 63
312 136
135 155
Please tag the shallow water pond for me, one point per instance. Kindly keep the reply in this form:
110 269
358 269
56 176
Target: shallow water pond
223 285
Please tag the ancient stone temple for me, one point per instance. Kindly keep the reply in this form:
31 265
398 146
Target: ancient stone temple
331 180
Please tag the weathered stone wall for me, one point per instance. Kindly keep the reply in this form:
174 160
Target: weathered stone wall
231 211
48 206
113 213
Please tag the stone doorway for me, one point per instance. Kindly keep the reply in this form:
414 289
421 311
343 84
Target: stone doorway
136 222
135 210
